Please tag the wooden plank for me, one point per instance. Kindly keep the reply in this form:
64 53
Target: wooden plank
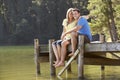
102 47
92 47
102 61
44 48
94 55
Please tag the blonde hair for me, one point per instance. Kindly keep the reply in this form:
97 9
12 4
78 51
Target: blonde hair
69 10
67 14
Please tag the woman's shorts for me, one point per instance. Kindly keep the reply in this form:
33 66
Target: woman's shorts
57 42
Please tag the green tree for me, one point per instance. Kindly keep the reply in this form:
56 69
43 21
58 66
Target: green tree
102 12
23 20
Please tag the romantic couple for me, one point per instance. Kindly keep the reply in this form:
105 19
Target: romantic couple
73 25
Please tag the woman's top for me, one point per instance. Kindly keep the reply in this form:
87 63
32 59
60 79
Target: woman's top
68 26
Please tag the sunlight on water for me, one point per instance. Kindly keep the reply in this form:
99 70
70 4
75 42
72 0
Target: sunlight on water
17 63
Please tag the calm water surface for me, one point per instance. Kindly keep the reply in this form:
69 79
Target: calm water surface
17 63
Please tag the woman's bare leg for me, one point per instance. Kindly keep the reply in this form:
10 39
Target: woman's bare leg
55 52
58 48
63 53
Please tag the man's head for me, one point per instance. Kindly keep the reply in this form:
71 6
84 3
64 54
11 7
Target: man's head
76 13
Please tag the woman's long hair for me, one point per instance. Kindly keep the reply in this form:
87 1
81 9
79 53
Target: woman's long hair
67 14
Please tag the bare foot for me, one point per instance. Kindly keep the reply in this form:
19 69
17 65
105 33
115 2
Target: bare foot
71 54
60 64
56 62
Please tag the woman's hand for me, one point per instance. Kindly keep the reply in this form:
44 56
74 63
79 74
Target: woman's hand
63 35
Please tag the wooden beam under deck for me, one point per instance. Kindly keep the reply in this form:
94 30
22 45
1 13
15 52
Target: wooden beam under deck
102 47
91 47
102 61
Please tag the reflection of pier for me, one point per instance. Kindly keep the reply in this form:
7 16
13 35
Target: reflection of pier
89 54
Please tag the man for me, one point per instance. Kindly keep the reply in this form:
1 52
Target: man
82 28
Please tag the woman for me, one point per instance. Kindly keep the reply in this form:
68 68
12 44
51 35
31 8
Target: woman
68 24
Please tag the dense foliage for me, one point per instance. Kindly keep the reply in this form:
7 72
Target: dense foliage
23 20
100 13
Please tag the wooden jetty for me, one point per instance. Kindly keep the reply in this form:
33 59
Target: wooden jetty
88 54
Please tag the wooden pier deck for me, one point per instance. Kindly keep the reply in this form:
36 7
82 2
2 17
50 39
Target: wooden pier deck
89 54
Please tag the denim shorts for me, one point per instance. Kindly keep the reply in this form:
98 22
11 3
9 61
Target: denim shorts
57 42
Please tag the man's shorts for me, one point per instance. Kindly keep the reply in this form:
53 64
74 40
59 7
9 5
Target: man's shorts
87 40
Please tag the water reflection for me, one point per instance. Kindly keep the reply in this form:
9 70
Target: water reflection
17 63
102 75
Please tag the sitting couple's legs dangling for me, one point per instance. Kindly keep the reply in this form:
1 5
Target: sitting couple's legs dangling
60 50
64 45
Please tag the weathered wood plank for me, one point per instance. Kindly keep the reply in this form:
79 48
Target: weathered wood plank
91 60
81 57
44 48
36 53
102 61
93 47
51 58
94 55
102 47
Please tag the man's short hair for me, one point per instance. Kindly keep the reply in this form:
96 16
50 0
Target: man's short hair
76 9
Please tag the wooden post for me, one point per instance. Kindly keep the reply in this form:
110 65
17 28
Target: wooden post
36 53
102 40
81 57
51 59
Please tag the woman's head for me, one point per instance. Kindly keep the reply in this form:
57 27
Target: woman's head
69 14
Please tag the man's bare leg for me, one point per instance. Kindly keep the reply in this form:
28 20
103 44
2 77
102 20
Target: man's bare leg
63 53
73 42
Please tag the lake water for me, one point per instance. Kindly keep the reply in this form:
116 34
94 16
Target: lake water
17 63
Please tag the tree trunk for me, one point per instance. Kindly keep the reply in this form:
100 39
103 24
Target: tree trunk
114 35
